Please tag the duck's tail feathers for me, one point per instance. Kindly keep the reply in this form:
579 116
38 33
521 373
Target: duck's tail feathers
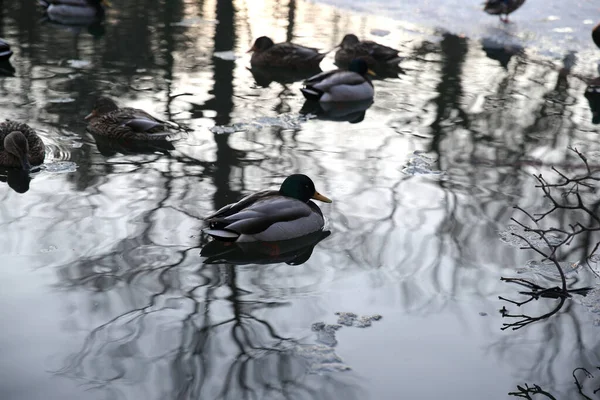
311 93
222 234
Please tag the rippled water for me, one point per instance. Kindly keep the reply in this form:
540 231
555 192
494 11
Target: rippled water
105 294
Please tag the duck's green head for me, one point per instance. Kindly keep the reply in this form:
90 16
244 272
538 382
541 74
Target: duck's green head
261 44
349 40
301 187
360 66
103 105
596 35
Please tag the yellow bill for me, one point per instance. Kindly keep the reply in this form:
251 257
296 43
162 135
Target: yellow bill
320 197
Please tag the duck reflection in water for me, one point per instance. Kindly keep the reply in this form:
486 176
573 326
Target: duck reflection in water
501 52
109 147
592 94
348 111
292 252
17 179
264 76
76 14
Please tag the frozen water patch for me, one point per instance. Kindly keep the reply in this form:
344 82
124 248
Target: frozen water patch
592 303
321 358
379 32
285 121
421 164
225 55
60 167
351 319
326 333
548 269
61 100
194 21
509 236
78 63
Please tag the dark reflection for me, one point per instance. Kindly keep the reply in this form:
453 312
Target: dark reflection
592 94
76 16
6 68
293 252
350 111
109 147
500 52
17 179
450 113
265 76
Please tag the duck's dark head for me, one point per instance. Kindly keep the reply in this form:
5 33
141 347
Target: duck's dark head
596 35
349 40
103 105
103 3
360 66
261 44
301 187
16 144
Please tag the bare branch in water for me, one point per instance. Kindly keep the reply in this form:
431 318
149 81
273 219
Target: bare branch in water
570 194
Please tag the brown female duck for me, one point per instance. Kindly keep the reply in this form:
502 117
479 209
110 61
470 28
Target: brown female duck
20 146
376 55
266 53
107 119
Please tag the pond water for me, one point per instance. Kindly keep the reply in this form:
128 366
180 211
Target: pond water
104 293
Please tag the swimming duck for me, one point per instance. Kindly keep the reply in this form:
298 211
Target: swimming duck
5 51
107 119
340 85
266 53
20 146
596 35
375 54
499 7
74 12
270 215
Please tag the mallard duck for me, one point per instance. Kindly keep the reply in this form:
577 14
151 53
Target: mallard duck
20 146
74 12
270 215
107 119
500 7
596 35
288 55
376 55
340 85
5 51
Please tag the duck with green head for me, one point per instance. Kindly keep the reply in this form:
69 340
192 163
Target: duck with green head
20 146
341 85
270 215
108 120
267 54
